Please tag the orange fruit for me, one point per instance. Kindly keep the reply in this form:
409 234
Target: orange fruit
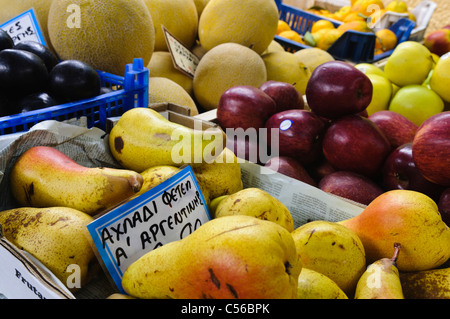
397 6
371 6
292 35
385 40
328 38
353 16
356 25
282 26
321 24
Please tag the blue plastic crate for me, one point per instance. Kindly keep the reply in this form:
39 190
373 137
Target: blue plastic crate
128 92
352 45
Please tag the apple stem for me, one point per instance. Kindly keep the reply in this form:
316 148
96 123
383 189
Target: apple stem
397 247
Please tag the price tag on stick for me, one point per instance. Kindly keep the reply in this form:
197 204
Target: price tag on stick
183 59
170 211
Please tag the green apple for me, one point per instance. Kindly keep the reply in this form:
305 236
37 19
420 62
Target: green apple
409 63
440 79
416 102
382 93
368 68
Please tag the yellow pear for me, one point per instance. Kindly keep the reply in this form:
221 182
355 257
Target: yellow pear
410 218
426 284
211 175
332 250
230 257
257 203
56 237
381 280
154 176
314 285
44 176
143 138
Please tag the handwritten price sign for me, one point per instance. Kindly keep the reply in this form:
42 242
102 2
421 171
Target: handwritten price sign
168 212
24 27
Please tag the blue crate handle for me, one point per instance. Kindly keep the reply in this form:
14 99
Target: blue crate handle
134 93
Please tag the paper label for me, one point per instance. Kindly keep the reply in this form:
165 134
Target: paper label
183 59
24 27
22 279
168 212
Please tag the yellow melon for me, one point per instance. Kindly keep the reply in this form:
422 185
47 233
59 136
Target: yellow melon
284 66
251 23
225 66
106 35
200 5
179 17
164 90
161 65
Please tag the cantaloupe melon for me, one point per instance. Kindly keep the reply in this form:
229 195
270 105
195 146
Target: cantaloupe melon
179 17
251 23
162 90
225 66
104 34
161 65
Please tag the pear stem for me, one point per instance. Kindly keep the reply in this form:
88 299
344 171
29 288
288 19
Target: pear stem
397 247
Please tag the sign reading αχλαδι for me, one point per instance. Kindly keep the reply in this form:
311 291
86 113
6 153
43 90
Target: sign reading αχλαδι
170 211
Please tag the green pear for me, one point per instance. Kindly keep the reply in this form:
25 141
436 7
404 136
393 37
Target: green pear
230 257
56 237
44 177
257 203
143 138
333 250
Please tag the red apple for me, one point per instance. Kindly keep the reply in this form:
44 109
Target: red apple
337 88
350 185
244 147
300 134
320 169
397 128
400 172
438 41
431 148
290 167
284 94
354 143
244 106
444 206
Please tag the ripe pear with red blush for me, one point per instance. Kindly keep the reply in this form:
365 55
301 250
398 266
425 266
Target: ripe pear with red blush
43 176
409 218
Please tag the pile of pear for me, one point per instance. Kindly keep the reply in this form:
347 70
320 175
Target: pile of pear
397 248
56 197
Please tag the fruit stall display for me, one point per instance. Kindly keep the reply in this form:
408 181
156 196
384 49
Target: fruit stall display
375 136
